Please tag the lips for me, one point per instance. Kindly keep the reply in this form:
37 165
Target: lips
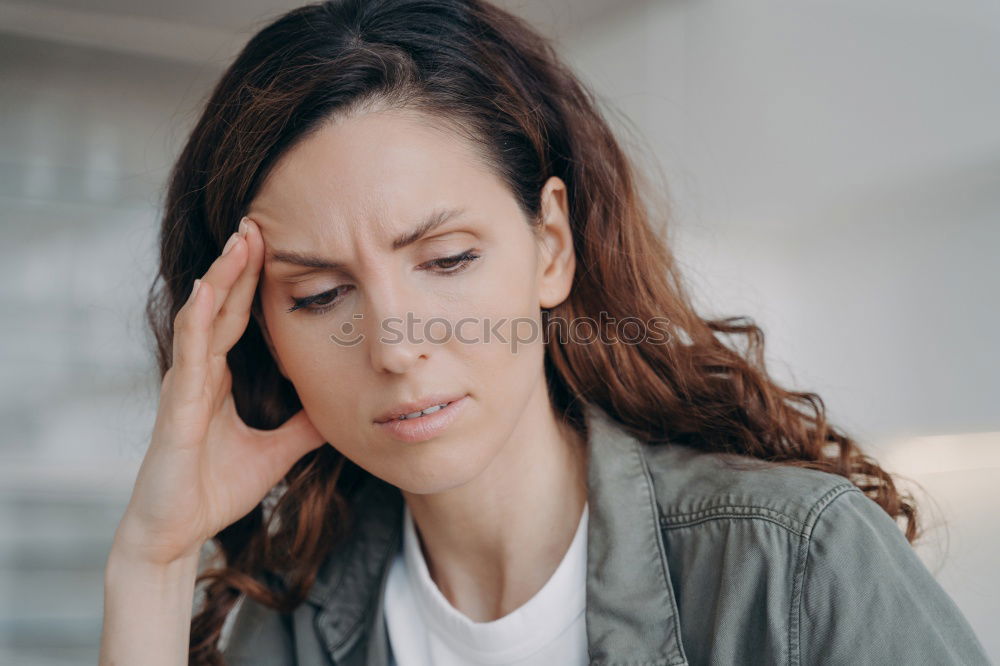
404 408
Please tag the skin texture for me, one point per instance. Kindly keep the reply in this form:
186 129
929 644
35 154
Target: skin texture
497 497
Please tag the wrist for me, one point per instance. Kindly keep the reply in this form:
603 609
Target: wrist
131 545
125 562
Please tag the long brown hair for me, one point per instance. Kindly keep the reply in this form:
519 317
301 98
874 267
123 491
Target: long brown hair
502 85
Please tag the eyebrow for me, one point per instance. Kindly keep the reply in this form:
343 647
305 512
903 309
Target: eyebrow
430 223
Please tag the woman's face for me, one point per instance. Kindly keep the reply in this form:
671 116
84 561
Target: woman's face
385 329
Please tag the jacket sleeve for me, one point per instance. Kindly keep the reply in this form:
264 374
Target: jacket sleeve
258 636
867 598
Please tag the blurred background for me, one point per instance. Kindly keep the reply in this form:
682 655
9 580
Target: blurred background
833 172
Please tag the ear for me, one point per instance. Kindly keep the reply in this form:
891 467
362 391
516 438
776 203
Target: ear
557 259
258 315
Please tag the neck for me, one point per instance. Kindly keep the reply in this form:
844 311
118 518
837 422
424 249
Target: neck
492 543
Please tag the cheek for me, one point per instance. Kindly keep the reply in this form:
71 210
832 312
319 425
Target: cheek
313 363
513 306
330 389
498 331
505 288
291 341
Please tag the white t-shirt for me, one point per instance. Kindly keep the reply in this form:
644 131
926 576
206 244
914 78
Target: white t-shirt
426 630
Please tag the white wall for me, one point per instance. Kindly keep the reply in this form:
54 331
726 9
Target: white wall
86 138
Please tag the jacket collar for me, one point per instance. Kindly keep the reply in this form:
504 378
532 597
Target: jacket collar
631 613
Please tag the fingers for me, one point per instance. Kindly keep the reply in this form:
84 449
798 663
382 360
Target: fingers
234 313
190 343
228 266
195 321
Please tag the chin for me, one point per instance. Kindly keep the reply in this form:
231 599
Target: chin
436 471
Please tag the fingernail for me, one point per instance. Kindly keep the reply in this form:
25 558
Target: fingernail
229 244
194 290
243 226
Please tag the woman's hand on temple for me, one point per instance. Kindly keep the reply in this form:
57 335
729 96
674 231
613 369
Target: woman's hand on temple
205 468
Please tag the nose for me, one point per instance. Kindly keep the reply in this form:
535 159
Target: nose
395 333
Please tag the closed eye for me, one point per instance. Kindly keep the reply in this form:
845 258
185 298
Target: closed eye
325 301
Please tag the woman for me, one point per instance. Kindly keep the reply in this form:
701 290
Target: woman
433 386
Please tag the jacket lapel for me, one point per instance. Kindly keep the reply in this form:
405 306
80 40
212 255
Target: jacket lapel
354 577
631 612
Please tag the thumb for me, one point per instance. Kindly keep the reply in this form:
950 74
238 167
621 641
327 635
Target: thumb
293 439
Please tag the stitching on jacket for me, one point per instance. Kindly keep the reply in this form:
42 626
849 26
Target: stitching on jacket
681 519
798 581
802 529
657 662
721 514
654 506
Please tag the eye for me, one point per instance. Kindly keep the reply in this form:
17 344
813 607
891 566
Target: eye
455 264
328 299
325 300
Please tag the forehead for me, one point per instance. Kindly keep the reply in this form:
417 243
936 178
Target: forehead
371 174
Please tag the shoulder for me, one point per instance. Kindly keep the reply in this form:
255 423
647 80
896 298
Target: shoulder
833 563
693 486
735 534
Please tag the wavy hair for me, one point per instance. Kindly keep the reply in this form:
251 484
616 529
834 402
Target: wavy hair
499 83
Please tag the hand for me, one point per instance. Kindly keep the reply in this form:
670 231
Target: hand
205 468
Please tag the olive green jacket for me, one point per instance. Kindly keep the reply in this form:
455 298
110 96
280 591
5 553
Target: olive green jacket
693 558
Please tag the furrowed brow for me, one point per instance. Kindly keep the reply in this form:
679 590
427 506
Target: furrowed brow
429 224
426 226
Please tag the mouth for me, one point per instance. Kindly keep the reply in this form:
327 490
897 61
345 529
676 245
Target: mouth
417 410
425 424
